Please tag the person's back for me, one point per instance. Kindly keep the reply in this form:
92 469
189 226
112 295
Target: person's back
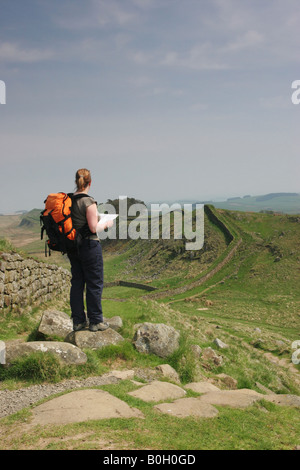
87 263
79 207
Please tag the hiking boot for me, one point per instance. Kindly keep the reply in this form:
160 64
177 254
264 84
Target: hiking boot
98 326
80 326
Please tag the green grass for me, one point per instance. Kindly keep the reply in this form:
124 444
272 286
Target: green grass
5 245
18 326
38 367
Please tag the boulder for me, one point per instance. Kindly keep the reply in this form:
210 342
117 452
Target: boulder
196 350
55 323
210 355
156 338
220 344
115 323
230 382
66 353
86 339
165 370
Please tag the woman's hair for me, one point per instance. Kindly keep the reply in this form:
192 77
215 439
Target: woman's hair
82 179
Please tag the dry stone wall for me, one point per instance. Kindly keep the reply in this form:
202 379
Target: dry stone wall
25 281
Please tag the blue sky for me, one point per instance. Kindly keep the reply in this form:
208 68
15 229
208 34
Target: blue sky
161 99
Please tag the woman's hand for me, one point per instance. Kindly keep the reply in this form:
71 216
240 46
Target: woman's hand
104 225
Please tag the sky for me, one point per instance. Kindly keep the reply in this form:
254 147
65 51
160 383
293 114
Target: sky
162 100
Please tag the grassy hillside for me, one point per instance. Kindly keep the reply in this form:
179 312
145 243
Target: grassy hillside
242 287
24 232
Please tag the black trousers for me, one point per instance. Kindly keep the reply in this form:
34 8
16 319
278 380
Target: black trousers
87 271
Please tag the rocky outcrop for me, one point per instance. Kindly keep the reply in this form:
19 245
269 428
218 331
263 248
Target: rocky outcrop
209 355
156 338
220 344
115 322
55 323
25 281
85 339
65 352
165 370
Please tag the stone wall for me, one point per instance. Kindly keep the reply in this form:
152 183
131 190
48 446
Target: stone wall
137 285
234 239
211 214
25 281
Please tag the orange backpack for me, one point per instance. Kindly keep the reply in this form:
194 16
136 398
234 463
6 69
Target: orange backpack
56 220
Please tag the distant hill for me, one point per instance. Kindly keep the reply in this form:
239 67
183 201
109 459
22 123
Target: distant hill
287 203
31 219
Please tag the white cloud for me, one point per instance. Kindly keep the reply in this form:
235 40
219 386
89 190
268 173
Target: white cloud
249 40
12 52
97 14
199 57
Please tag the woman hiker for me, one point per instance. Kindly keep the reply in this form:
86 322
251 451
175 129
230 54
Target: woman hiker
87 263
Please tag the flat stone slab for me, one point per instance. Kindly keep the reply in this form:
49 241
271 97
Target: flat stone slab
202 387
158 391
234 398
185 407
283 400
83 405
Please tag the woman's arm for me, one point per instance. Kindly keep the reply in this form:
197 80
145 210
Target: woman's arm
92 217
